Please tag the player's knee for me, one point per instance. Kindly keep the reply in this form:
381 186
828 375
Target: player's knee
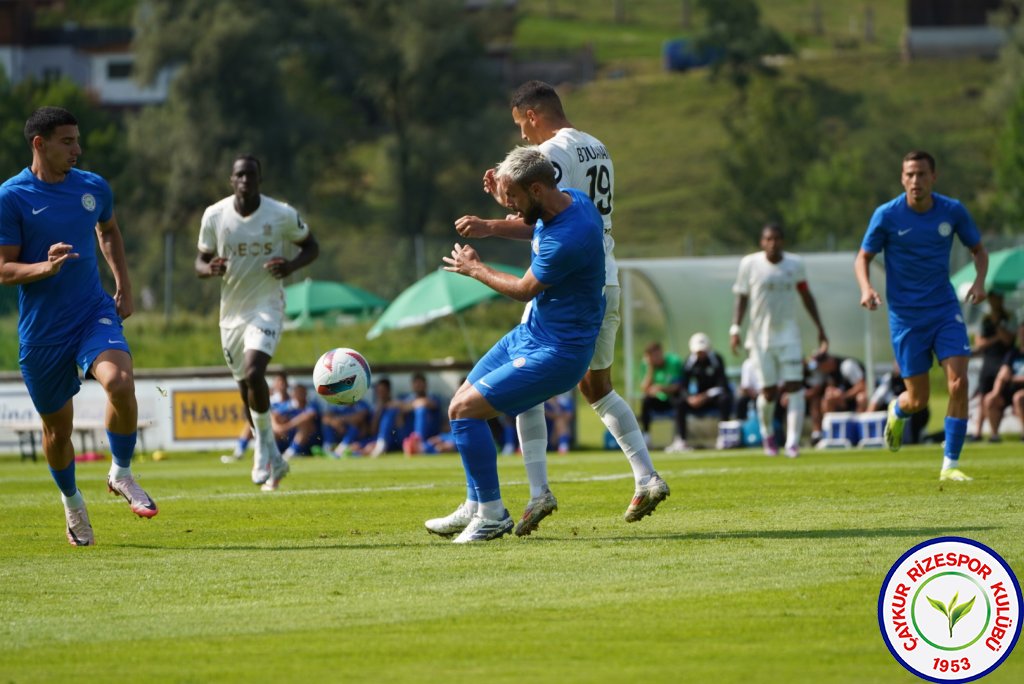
57 433
916 402
254 375
120 387
957 386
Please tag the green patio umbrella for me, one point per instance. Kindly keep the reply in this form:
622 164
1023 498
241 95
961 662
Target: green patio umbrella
436 295
311 298
1005 272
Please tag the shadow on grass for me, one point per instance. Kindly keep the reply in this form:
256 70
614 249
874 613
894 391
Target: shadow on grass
790 534
922 532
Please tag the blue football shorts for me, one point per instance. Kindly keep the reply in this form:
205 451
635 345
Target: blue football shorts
913 343
518 373
50 371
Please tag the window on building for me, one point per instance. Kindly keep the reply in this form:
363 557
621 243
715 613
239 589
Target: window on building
119 70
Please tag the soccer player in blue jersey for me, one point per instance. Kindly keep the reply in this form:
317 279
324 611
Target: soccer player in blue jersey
916 231
51 215
544 356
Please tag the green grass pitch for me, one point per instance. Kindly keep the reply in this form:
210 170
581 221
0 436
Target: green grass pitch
754 570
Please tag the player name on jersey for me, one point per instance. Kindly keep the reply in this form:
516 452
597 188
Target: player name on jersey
587 153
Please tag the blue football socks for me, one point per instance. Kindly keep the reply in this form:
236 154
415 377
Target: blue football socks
65 480
479 457
956 433
122 447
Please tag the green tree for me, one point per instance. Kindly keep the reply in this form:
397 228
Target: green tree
1009 169
733 31
313 88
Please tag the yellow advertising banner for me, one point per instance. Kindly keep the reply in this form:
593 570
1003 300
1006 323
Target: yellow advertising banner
208 414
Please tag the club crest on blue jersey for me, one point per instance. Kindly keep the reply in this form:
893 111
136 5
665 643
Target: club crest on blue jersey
89 202
945 229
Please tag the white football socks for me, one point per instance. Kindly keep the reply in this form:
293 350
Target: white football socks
75 501
264 446
795 418
533 440
764 410
620 420
491 510
119 473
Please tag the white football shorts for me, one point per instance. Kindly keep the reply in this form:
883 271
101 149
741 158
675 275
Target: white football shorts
778 364
604 351
241 338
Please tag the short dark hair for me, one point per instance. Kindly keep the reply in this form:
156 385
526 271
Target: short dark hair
652 346
249 158
539 96
45 120
773 226
920 155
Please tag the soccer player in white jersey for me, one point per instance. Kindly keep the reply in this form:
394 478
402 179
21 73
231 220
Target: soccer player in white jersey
581 162
769 281
243 239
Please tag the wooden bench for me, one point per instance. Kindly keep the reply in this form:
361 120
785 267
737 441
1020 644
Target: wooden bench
30 435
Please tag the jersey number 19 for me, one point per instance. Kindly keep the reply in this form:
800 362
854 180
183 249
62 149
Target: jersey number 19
600 188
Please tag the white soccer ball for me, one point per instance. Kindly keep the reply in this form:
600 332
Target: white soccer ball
341 376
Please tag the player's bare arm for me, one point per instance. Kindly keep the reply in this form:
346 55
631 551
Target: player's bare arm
869 298
309 250
209 264
112 247
739 311
465 260
511 227
976 295
812 310
13 272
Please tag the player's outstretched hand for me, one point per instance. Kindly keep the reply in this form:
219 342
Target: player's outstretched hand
463 259
278 267
870 299
734 344
58 254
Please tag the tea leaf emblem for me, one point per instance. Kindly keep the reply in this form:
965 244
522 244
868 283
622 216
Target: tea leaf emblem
954 613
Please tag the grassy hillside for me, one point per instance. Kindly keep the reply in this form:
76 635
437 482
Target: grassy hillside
665 129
